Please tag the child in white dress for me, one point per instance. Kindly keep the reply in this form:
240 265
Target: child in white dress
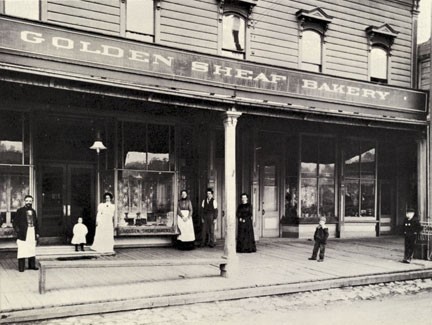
79 234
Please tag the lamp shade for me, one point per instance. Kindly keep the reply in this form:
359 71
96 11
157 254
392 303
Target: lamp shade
98 146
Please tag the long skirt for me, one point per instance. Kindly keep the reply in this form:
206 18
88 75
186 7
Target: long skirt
104 238
186 238
27 248
245 237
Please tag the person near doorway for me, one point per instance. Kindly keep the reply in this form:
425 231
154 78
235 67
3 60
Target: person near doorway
320 236
245 233
104 235
26 226
79 234
411 229
208 219
186 239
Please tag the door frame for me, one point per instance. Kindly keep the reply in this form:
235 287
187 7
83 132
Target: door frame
66 194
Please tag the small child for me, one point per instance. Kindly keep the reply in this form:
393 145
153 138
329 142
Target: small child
320 237
79 234
411 228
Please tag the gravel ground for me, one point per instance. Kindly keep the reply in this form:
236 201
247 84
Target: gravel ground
223 312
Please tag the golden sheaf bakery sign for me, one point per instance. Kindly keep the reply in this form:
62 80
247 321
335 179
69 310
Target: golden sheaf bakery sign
115 54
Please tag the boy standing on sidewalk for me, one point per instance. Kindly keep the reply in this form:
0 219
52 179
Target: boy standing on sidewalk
411 229
320 237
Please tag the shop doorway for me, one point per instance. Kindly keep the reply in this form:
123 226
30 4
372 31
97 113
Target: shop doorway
386 208
66 192
269 167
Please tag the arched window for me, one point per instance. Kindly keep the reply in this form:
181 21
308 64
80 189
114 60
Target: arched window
378 64
234 35
313 25
140 20
311 51
380 41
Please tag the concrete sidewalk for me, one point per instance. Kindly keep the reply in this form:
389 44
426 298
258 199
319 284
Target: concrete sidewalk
280 266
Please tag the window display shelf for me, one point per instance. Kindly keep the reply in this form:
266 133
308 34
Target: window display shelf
146 230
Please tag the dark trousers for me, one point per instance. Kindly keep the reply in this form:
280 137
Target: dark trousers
31 264
207 231
321 247
81 245
409 247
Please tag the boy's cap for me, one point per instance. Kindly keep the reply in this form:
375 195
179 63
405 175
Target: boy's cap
323 219
410 210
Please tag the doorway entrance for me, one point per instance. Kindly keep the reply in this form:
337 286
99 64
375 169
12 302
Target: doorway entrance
270 162
66 192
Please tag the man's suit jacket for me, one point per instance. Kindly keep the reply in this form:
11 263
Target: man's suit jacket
20 223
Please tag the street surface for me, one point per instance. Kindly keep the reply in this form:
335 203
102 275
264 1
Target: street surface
390 303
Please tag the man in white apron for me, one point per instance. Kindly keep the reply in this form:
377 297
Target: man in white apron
26 226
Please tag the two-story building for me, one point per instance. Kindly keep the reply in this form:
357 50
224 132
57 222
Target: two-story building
309 106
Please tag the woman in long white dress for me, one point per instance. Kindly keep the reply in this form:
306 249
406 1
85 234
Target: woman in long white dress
186 239
104 235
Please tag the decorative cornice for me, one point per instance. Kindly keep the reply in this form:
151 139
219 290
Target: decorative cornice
317 19
383 35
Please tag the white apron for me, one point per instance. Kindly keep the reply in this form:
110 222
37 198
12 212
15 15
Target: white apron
186 227
27 248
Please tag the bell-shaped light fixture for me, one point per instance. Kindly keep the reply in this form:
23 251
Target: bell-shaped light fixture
98 145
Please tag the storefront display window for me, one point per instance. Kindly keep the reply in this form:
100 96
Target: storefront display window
145 199
145 191
317 171
14 168
359 172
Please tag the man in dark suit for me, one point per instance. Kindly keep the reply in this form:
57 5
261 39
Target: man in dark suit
26 226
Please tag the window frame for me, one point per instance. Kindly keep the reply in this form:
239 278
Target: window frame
360 180
224 50
142 37
371 64
41 16
302 62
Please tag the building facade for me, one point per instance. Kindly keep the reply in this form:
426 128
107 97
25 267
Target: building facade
311 107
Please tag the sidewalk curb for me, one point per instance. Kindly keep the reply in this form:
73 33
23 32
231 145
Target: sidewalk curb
210 296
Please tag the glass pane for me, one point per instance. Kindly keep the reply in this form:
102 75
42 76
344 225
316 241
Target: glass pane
326 197
22 8
270 195
140 16
327 159
309 157
311 47
386 161
134 145
367 199
158 147
309 198
352 159
11 144
14 185
367 160
145 199
291 201
378 63
352 198
233 32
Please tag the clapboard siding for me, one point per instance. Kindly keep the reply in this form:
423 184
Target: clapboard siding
424 74
274 35
190 25
100 16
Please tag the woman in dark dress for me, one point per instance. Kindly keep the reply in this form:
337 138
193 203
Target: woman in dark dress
245 233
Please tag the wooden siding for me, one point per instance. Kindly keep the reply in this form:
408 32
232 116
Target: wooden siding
190 25
96 15
424 74
274 36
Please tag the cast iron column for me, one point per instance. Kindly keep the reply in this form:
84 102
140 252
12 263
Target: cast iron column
230 122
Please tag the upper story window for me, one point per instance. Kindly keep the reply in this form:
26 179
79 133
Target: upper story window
234 22
234 35
378 65
311 58
140 20
380 41
313 25
29 9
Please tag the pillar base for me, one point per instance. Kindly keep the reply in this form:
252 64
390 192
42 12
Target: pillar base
232 268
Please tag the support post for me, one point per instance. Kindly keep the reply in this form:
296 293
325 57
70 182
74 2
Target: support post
230 123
